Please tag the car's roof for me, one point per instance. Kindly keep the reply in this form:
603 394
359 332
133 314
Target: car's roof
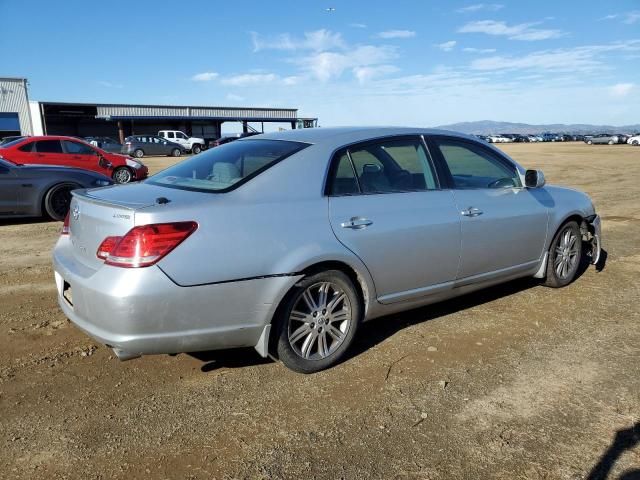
343 135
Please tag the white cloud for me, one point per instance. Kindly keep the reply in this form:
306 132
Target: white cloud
478 50
104 83
578 59
357 25
327 65
522 31
317 40
627 17
396 34
234 98
491 7
621 89
204 76
447 46
249 79
366 74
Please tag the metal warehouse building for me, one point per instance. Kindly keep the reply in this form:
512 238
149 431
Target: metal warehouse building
120 121
15 118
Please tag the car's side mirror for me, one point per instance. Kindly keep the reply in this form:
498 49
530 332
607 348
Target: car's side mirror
104 163
371 168
534 179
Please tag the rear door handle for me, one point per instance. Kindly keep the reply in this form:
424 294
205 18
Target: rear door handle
356 223
471 212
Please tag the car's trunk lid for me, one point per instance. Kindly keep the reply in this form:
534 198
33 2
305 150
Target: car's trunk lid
100 213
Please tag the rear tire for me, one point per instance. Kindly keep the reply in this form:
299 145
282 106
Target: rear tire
317 322
635 142
565 255
138 153
196 149
589 142
57 200
176 152
610 142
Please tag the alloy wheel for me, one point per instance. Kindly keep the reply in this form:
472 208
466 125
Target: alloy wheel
319 321
566 254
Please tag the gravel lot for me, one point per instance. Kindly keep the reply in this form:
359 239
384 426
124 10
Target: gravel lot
518 381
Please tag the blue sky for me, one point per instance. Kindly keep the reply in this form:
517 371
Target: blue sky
419 63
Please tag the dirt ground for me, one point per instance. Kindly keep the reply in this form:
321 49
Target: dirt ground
515 382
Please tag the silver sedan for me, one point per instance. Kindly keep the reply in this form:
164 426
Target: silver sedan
288 241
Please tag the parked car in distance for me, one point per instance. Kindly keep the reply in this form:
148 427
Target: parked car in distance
140 145
635 140
107 144
601 139
497 138
73 152
288 241
230 138
190 144
37 190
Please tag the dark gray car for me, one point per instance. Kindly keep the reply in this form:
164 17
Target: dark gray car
37 190
140 145
107 144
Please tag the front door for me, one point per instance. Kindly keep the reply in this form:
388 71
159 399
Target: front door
83 156
8 190
504 225
386 206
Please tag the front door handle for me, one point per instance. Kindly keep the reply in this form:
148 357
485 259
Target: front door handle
356 223
471 212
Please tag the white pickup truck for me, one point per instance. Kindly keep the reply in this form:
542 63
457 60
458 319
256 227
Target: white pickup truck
191 144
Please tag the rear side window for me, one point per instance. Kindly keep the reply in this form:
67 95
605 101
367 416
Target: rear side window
473 166
226 167
392 165
170 134
48 146
27 147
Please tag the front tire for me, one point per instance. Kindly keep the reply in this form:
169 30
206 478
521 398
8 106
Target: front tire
635 142
589 142
138 153
57 200
122 175
318 322
610 142
565 254
196 149
176 152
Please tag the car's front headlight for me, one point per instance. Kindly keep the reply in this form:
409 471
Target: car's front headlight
102 183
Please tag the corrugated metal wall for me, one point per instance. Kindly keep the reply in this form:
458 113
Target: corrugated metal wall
106 111
14 99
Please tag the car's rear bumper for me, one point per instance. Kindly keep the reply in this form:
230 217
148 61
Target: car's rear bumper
142 311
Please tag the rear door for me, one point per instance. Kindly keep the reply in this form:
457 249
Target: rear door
504 225
48 152
386 206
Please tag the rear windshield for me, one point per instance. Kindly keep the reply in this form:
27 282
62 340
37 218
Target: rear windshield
224 168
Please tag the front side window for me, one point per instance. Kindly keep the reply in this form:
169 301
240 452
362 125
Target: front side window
473 166
392 165
181 135
170 135
226 167
48 146
27 147
78 148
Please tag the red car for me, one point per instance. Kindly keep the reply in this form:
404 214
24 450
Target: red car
73 152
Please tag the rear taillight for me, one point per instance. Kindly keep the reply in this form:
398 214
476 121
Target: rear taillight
65 225
107 246
144 245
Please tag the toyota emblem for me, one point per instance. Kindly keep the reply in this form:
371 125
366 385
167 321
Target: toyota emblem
76 212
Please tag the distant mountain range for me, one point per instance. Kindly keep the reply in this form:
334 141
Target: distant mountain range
484 127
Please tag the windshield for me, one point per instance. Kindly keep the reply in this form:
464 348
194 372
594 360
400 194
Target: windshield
225 167
11 142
